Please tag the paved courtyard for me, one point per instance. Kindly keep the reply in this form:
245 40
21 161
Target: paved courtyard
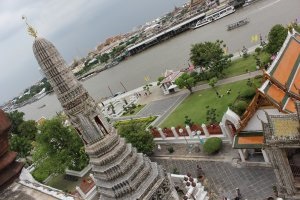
255 183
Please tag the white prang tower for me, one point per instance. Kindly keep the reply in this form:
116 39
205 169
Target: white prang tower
120 172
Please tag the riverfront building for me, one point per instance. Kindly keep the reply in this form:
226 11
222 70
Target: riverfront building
119 171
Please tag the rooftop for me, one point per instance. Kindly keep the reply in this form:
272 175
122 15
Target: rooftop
283 85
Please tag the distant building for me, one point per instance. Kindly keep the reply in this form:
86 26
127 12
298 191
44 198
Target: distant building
197 2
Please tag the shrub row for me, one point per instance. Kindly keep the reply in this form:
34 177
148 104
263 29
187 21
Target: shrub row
146 121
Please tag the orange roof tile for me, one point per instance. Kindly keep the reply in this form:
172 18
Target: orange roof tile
290 106
286 64
276 94
296 82
251 140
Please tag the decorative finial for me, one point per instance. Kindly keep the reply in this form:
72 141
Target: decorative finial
30 29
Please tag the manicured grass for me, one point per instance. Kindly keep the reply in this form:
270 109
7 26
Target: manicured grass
65 185
241 65
136 110
195 104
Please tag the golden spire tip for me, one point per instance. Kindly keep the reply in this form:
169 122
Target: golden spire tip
30 29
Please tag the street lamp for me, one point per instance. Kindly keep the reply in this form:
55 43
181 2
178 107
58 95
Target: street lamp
198 133
187 144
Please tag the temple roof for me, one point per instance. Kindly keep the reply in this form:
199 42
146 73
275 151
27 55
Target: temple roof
248 140
283 84
280 91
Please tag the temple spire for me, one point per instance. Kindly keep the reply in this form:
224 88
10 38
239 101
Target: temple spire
30 29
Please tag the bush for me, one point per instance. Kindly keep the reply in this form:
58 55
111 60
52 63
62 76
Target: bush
170 149
248 94
175 170
40 175
212 145
240 107
136 134
258 77
258 50
146 121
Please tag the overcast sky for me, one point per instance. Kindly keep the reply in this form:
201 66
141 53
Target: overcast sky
75 27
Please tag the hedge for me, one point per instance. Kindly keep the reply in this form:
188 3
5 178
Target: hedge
212 145
146 120
240 107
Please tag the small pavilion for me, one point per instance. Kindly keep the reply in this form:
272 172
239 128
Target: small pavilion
168 83
277 97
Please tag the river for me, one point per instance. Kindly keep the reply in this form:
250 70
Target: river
174 53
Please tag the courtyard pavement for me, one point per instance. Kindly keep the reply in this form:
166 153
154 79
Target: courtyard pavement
221 170
255 183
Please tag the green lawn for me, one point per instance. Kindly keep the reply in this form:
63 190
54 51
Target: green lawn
241 65
65 185
194 105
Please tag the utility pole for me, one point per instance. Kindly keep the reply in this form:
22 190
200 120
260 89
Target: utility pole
123 86
110 91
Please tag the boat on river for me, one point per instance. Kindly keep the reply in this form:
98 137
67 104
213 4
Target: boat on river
214 15
237 24
42 106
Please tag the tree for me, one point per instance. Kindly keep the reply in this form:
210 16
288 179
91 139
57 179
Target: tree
47 85
188 121
16 119
104 58
136 134
28 129
296 27
21 145
211 115
187 81
61 145
212 82
210 56
160 79
276 38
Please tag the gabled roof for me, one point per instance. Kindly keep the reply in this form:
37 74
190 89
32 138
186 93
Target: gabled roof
283 85
285 67
248 140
